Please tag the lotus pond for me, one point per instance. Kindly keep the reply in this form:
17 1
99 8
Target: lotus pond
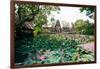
52 48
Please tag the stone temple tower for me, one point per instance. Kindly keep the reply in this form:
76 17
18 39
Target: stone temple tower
58 26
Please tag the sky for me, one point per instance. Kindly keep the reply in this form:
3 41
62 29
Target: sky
70 14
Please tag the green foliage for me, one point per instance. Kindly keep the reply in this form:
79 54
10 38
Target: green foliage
86 57
52 19
80 26
84 27
40 20
25 12
89 10
55 48
36 13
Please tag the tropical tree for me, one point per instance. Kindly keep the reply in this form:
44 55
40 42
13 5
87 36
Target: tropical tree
79 26
89 11
36 13
84 27
53 22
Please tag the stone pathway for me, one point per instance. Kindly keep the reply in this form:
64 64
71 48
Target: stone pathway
89 46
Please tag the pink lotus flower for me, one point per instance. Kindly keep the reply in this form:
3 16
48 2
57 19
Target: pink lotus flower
41 57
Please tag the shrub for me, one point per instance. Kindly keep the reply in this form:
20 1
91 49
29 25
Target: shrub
84 27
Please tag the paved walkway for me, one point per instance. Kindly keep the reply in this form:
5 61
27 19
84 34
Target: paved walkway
89 46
